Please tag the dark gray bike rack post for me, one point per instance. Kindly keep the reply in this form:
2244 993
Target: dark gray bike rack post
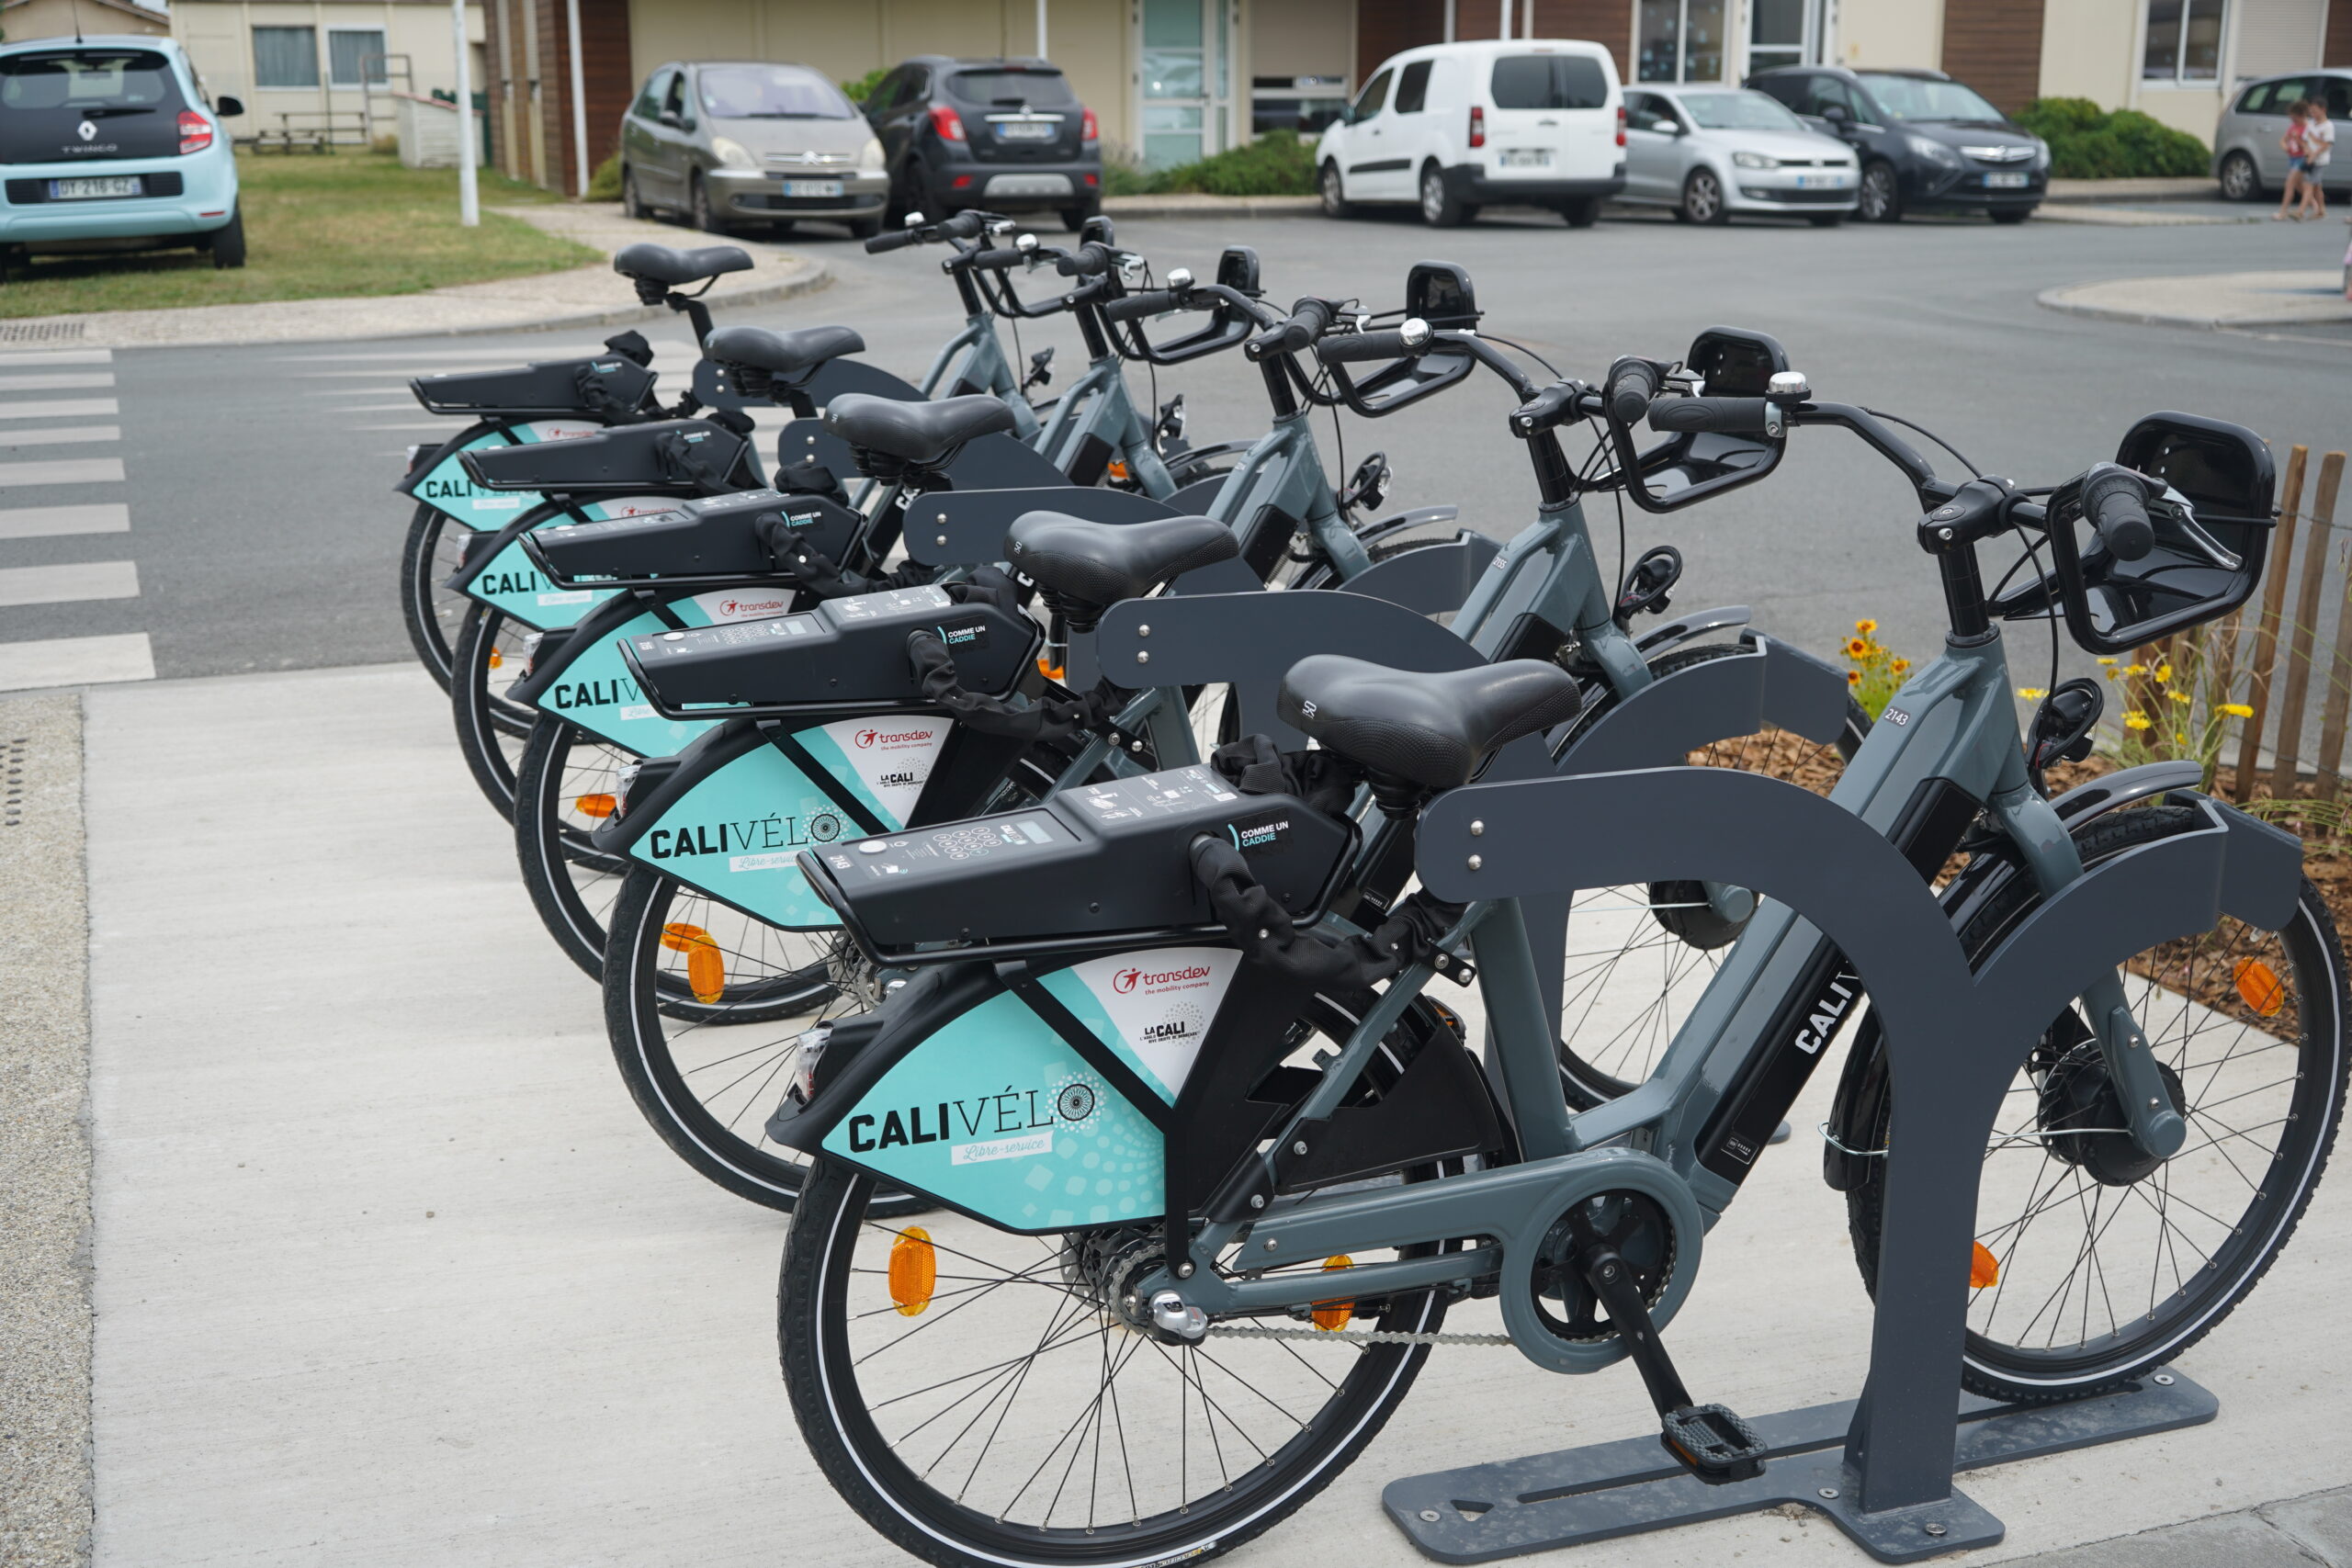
1880 1467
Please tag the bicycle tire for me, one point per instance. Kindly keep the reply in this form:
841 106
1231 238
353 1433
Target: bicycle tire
487 725
2281 1192
424 603
551 840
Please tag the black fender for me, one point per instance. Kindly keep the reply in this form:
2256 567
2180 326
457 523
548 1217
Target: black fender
556 649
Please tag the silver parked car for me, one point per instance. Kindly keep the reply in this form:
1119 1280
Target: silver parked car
1711 152
2248 159
730 143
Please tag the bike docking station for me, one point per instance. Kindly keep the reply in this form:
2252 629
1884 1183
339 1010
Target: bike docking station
1880 1467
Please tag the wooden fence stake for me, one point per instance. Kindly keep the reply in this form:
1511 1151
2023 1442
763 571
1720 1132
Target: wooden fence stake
2287 743
2339 667
2266 636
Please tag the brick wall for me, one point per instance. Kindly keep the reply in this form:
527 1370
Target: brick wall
2337 49
1384 27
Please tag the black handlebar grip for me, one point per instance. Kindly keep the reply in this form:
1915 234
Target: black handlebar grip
896 240
1724 416
1150 303
965 225
2117 506
1387 344
1547 408
1001 259
1309 320
1631 390
1090 260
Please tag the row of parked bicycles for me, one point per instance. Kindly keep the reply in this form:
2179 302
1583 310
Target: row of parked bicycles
995 824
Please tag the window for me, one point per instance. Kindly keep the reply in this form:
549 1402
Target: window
2270 97
648 101
1548 81
353 49
286 57
1013 88
771 92
674 102
2336 92
1303 103
1647 111
2184 41
1681 40
1823 94
1783 32
1368 102
1413 87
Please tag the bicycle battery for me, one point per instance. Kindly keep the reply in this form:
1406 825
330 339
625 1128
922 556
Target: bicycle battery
844 654
607 386
704 539
1104 861
687 453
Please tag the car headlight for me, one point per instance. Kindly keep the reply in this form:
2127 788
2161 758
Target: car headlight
1754 160
1933 150
732 153
869 157
2040 154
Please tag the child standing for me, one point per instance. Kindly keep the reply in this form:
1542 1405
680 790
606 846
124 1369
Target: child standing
2319 144
2292 144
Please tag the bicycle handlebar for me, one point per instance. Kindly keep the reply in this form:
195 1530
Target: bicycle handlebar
1309 320
1631 385
1722 416
1151 303
1354 346
2117 504
1092 259
999 259
896 240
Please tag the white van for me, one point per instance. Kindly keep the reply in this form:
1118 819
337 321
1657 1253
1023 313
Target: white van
1454 127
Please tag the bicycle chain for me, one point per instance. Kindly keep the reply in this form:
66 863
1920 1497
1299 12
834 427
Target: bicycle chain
1355 1336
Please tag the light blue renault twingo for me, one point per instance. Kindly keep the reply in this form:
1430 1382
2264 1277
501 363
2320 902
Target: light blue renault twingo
107 143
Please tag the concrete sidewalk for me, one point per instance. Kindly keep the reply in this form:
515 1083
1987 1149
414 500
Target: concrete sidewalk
389 1271
583 297
2211 301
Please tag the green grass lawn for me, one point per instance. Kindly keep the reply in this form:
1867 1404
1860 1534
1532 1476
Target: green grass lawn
349 224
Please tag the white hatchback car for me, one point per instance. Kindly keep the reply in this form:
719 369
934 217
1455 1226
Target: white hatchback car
1454 127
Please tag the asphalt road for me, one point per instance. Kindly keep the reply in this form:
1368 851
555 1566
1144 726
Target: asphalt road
264 536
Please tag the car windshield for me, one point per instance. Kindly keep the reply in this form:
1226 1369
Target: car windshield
1737 111
1922 97
771 92
1013 88
91 83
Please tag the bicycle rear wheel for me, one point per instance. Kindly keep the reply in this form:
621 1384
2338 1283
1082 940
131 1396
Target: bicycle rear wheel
566 784
434 547
2110 1264
492 729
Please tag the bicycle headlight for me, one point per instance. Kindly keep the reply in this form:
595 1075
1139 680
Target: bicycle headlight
803 1087
626 780
1754 160
731 154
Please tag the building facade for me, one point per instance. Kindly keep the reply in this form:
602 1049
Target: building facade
25 21
1173 80
325 64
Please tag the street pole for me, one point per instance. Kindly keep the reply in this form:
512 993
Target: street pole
469 196
1041 30
580 97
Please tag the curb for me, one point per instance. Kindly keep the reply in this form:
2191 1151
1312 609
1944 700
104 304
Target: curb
2054 300
2162 188
808 277
1209 206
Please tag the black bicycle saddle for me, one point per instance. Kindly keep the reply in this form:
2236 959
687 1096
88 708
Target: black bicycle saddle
1432 730
1102 563
788 354
659 264
921 434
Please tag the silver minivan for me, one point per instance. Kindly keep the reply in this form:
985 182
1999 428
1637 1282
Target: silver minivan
2248 159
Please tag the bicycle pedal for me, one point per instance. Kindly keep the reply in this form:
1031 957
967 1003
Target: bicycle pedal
1712 1443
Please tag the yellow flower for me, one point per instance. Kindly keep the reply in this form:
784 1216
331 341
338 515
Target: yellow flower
2135 670
1866 626
2182 697
1853 677
2180 738
1857 648
2032 693
2106 659
2115 674
2164 673
2237 710
2135 719
1901 667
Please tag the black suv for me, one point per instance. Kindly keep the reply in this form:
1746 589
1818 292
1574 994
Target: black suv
1927 143
1007 135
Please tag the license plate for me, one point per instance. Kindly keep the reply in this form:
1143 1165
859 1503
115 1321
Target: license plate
1029 130
1820 182
1525 158
812 187
104 186
2006 182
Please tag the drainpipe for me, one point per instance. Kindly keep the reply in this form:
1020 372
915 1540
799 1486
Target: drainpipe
469 196
1505 23
580 99
1041 30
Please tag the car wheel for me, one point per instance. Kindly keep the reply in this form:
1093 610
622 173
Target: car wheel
632 203
229 243
864 228
1074 217
1703 199
1882 200
1581 213
1438 207
2241 181
2009 214
1334 194
703 217
1825 220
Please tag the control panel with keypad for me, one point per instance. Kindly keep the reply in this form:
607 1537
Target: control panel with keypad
716 536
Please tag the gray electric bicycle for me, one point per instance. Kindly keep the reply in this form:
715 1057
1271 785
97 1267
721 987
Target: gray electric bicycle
1211 1166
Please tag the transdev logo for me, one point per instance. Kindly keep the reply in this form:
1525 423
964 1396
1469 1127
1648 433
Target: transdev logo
867 739
747 609
1127 980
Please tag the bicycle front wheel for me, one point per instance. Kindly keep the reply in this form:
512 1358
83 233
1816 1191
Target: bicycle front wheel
435 548
491 727
565 786
2104 1263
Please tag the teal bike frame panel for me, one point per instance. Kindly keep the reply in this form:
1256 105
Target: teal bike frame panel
510 584
598 693
735 834
997 1115
449 491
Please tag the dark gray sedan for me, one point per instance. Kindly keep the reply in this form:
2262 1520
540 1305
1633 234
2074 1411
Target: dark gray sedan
725 143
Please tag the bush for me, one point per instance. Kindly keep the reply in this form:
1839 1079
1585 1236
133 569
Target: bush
863 88
2088 142
1277 163
604 185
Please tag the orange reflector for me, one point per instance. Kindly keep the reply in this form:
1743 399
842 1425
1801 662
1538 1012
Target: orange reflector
706 972
496 658
1051 672
1118 469
1335 1314
914 1270
2258 984
597 805
679 937
1984 1268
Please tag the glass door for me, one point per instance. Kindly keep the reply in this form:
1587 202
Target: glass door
1681 41
1184 71
1783 32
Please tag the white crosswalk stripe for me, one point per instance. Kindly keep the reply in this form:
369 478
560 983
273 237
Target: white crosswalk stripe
37 417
